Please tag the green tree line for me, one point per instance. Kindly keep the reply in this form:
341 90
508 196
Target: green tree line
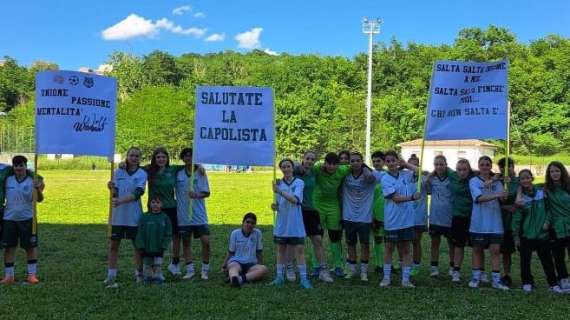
320 100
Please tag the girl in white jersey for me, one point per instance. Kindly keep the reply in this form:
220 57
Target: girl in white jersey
289 230
193 223
127 186
486 228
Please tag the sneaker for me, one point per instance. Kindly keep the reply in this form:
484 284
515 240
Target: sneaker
316 273
434 273
450 272
484 278
407 284
158 278
499 285
474 283
148 280
364 277
306 284
188 275
557 290
415 271
109 283
565 284
174 269
528 288
385 283
204 275
278 282
32 279
507 281
339 273
456 277
234 282
325 276
290 274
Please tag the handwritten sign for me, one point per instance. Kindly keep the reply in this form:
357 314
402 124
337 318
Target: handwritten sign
75 113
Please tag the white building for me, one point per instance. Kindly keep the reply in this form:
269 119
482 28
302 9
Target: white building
453 150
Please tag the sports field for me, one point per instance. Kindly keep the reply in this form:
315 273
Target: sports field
72 265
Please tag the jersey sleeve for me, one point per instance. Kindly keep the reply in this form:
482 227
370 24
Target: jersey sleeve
202 184
475 188
388 186
232 247
259 246
298 191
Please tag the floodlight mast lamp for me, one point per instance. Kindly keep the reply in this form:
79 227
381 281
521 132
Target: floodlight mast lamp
369 27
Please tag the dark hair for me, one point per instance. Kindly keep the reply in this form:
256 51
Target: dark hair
345 152
154 198
287 160
153 167
564 179
378 154
19 160
129 151
356 153
501 162
485 158
249 215
184 152
331 158
526 171
440 156
391 153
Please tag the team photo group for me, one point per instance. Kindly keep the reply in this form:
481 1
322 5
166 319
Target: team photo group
383 210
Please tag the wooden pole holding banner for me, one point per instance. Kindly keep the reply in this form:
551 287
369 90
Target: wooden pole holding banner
111 196
35 197
508 146
425 129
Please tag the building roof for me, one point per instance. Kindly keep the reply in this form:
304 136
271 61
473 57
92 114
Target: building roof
448 143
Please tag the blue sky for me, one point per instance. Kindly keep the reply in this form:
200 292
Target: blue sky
84 33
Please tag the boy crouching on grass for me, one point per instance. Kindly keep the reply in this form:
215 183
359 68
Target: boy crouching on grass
153 237
18 219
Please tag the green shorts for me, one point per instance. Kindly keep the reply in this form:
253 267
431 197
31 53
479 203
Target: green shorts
294 241
198 231
19 231
400 235
330 221
123 232
356 231
484 240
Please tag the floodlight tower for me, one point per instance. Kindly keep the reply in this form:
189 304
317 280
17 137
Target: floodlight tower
369 27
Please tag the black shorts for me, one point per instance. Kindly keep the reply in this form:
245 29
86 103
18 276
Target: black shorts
197 231
484 240
459 232
508 246
123 232
244 267
400 235
435 230
19 232
312 222
357 231
172 214
293 241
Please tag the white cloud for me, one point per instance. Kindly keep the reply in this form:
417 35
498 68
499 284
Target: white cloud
134 26
181 10
216 37
249 39
199 15
131 27
270 52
